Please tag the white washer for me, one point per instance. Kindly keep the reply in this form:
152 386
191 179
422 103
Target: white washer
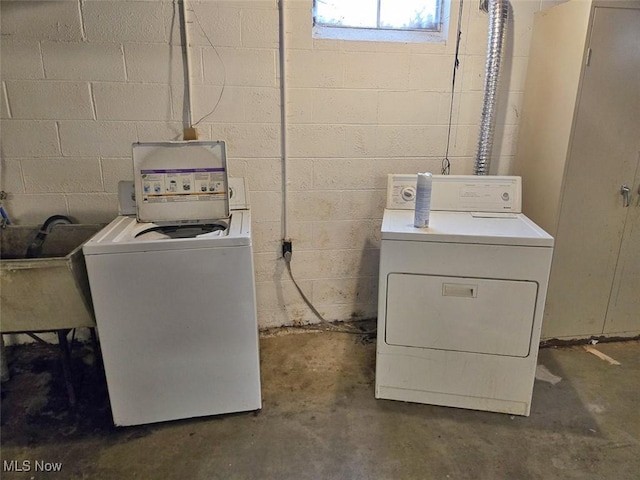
461 302
175 301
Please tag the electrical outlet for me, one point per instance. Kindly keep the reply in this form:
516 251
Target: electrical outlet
287 248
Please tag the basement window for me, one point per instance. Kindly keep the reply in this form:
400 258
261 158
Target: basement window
381 20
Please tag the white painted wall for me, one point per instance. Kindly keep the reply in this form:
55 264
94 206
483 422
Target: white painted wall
83 79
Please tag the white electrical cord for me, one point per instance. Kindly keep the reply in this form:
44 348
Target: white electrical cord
284 125
324 325
224 70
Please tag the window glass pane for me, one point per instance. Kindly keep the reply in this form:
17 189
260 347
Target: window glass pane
408 14
347 13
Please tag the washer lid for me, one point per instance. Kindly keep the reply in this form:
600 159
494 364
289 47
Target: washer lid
180 181
122 236
466 227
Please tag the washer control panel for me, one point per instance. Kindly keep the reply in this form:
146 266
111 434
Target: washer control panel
459 193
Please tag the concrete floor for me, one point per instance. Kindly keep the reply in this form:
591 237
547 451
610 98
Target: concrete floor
320 421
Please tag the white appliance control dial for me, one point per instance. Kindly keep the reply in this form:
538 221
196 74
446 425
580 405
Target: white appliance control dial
408 193
401 191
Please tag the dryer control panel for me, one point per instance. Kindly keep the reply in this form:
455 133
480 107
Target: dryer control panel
459 193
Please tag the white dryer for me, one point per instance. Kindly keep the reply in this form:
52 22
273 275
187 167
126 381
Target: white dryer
461 302
174 291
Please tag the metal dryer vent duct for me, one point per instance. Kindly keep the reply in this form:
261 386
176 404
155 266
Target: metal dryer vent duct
498 11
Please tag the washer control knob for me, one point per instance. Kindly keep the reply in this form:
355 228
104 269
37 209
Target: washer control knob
408 194
505 196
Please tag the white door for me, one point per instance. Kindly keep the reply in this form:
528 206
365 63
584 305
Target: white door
623 314
604 156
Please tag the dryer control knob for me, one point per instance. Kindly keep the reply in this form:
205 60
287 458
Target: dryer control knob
408 194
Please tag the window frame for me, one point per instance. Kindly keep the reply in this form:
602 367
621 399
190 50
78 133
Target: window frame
389 34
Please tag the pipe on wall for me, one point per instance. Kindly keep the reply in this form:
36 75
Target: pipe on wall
284 113
187 55
498 12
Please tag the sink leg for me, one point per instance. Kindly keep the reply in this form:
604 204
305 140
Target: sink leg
4 366
65 358
95 344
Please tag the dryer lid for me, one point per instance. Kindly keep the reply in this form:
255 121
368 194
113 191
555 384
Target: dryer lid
180 181
466 227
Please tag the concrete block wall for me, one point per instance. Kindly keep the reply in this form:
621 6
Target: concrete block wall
83 79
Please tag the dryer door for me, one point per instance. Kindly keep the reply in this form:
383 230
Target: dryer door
475 315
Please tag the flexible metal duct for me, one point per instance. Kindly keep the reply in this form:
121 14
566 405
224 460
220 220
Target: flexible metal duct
498 12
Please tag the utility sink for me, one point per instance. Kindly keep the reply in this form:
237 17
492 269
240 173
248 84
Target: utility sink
50 292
